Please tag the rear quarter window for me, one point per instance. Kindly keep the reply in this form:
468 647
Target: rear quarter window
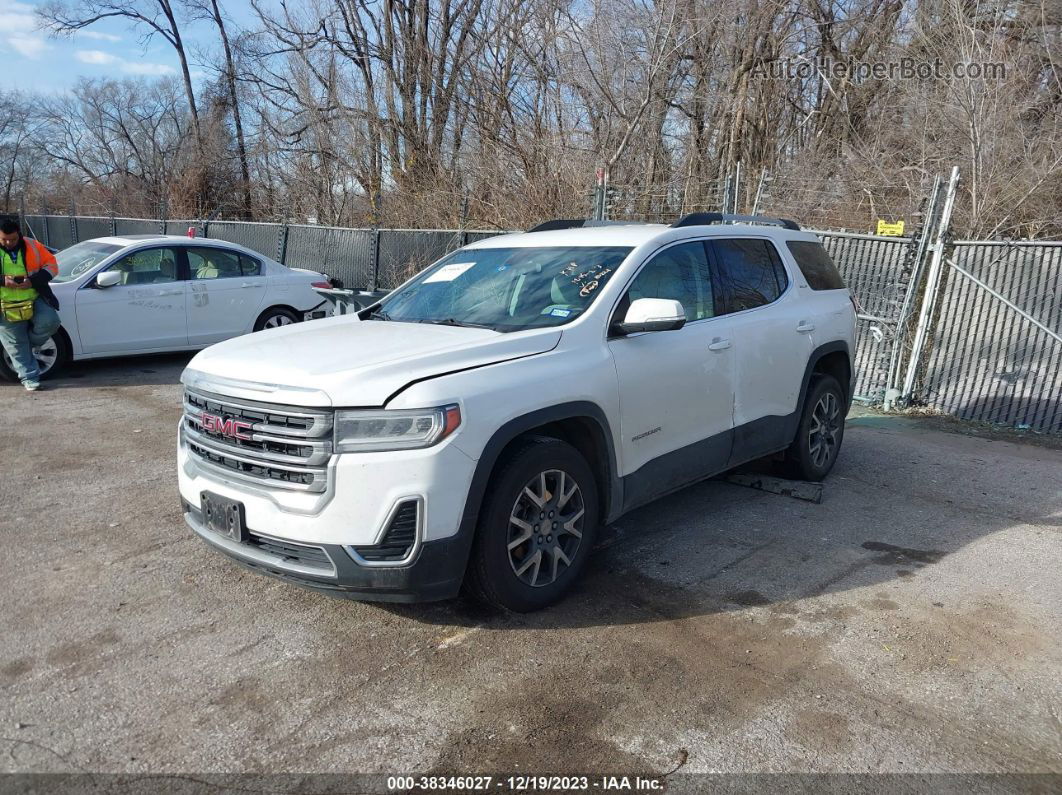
816 265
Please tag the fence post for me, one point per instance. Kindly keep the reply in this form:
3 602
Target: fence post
917 251
73 223
929 298
735 196
759 193
282 244
375 259
601 195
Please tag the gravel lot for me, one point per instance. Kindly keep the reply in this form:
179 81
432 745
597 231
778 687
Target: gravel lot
911 622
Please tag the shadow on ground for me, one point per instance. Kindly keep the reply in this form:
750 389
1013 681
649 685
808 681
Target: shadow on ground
716 547
150 370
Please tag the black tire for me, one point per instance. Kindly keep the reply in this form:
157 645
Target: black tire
57 361
275 316
817 444
493 574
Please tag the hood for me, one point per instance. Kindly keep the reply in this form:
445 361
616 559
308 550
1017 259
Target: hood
342 361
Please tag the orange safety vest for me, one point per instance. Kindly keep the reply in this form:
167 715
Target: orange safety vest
35 258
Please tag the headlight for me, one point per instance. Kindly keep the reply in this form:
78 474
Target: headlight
367 431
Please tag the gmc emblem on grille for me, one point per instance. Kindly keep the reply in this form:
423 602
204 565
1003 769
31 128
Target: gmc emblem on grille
237 429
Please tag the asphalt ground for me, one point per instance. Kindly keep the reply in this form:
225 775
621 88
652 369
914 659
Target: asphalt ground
908 623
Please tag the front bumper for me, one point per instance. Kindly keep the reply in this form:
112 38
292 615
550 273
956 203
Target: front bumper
434 573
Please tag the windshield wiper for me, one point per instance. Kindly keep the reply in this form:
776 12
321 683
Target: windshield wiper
452 321
378 314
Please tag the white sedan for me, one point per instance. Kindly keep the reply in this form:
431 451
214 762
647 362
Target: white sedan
137 294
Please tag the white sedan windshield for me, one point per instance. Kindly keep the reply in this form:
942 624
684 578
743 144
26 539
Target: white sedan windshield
82 257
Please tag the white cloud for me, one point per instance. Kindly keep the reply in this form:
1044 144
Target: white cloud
95 57
141 68
19 14
23 29
28 45
101 58
99 36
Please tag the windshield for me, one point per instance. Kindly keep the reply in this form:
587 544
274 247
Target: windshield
78 259
506 289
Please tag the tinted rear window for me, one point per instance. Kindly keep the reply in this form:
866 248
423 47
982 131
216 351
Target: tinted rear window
751 268
816 265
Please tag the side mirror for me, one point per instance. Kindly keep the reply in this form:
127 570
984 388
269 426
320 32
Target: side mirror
652 314
108 279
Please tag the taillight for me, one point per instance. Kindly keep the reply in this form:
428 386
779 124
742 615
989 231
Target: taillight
321 285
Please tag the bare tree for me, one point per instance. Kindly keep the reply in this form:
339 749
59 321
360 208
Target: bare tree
151 16
210 10
497 113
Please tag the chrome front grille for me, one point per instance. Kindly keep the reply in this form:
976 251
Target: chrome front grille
284 447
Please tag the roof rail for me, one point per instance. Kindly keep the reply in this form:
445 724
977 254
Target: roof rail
703 219
576 223
558 223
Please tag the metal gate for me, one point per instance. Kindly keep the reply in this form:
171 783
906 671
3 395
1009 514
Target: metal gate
996 353
878 272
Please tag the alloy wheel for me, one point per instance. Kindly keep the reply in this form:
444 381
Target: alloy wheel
46 355
825 427
545 528
276 321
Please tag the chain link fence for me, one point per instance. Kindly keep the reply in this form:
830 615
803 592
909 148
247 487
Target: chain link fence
875 270
996 352
347 254
994 347
363 258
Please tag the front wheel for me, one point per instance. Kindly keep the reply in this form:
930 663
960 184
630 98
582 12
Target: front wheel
275 317
814 451
51 357
536 527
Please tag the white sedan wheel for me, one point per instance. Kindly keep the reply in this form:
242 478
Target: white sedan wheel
46 355
277 320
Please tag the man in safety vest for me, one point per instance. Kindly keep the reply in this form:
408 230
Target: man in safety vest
28 315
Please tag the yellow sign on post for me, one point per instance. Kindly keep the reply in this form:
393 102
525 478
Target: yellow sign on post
893 230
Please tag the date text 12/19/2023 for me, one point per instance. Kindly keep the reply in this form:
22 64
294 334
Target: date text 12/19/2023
524 783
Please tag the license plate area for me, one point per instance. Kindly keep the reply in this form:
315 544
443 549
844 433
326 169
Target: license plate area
223 516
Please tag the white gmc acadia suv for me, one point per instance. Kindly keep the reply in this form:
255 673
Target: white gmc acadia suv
479 423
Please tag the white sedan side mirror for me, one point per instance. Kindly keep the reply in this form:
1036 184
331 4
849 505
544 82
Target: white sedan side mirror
652 314
108 279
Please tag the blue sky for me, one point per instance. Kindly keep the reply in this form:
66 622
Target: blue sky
110 48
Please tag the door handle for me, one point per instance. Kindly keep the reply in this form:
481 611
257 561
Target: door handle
719 344
249 285
804 327
171 292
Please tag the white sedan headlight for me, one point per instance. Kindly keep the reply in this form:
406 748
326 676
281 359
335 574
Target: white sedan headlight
360 431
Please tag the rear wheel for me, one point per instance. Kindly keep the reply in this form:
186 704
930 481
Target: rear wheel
275 317
536 526
51 357
814 451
